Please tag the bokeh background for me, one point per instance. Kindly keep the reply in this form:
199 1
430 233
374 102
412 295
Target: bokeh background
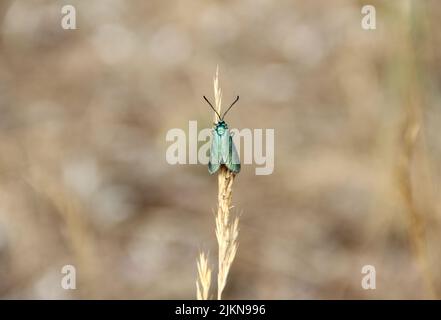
83 119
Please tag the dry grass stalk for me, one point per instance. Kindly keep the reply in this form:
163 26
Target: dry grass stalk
203 282
227 228
217 94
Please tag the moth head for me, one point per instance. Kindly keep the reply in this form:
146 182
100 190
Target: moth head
221 127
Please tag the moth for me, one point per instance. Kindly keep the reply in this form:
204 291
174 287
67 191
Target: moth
222 149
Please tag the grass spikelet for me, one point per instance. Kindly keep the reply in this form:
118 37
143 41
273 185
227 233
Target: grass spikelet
203 281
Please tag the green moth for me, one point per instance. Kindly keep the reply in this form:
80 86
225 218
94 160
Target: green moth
222 150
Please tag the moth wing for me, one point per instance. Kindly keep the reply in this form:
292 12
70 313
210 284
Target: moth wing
233 163
215 153
225 147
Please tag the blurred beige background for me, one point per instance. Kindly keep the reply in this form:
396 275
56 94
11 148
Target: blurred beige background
83 118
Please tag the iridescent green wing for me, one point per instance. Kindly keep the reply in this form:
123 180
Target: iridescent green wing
234 163
229 153
215 153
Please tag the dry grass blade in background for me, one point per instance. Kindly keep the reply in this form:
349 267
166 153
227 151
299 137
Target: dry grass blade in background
412 153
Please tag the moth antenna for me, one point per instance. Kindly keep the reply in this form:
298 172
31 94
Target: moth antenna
237 99
213 108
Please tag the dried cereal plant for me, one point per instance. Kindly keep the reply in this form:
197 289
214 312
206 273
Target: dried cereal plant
227 227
